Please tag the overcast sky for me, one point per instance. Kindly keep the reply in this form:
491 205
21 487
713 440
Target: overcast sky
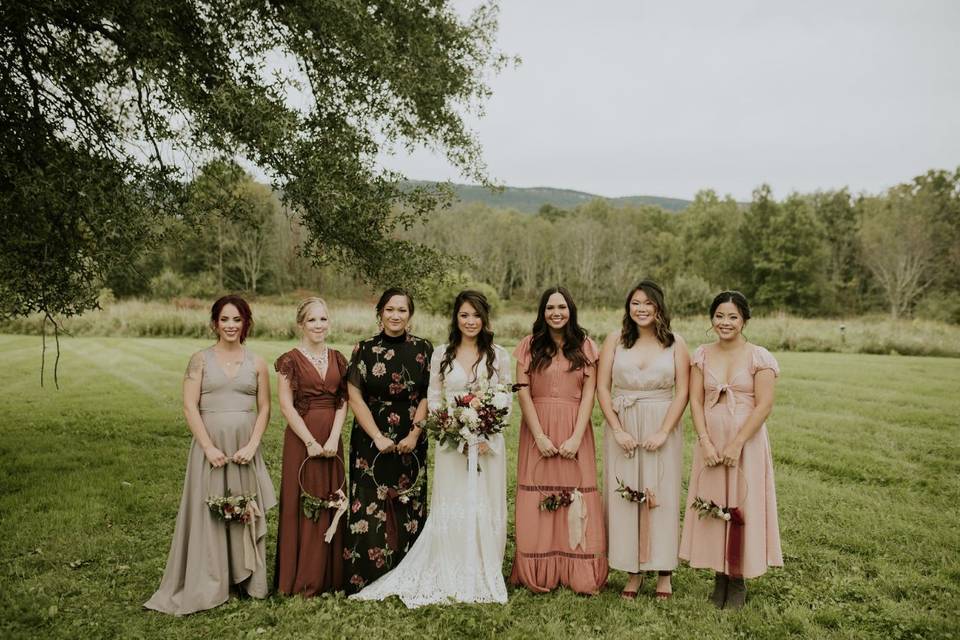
646 97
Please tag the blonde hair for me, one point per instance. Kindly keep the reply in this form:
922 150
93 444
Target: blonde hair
306 303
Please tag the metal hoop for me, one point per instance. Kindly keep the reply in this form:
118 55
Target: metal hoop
624 456
541 458
210 467
746 485
304 492
413 483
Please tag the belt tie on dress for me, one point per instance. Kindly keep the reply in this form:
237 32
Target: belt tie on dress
713 397
623 400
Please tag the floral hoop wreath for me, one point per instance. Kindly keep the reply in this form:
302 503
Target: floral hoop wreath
240 508
554 501
403 495
711 508
627 492
313 506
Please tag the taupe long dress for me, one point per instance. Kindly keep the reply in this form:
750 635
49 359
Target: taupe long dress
208 555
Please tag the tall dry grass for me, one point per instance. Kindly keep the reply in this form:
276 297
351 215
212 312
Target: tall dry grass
353 321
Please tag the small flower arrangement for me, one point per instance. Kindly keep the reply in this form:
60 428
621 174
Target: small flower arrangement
313 507
480 412
556 501
711 509
630 494
231 508
406 489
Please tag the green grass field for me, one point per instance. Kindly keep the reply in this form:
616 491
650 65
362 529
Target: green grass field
867 457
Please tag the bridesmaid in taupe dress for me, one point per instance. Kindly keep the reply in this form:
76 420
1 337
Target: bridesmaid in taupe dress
226 397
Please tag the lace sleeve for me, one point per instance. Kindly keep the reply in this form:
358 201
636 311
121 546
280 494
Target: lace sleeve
286 367
434 394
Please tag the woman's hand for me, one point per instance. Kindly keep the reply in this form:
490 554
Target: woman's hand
409 443
655 441
570 447
626 442
330 447
545 445
384 444
730 455
314 450
245 454
215 457
483 448
710 455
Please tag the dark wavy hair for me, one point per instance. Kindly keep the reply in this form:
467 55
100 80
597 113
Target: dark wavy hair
630 332
484 339
389 293
242 307
738 299
542 347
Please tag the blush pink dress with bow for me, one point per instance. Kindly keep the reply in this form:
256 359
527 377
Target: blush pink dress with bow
749 486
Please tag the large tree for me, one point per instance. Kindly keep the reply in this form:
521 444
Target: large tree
106 107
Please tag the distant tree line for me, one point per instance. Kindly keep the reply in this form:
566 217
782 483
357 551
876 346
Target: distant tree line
826 253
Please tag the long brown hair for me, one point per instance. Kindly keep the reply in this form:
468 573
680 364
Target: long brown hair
542 347
630 332
484 339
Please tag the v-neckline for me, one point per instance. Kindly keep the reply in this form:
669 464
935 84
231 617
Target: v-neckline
714 375
466 375
323 377
229 378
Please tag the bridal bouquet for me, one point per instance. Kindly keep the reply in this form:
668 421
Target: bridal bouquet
480 413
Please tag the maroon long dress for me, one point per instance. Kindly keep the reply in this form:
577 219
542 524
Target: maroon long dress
306 564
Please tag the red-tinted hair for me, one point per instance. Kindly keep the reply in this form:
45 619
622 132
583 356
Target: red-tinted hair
241 306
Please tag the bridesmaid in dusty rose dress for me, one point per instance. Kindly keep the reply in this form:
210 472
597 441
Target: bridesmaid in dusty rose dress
313 393
732 387
643 390
226 399
557 453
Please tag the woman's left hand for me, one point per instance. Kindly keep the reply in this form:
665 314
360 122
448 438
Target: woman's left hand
409 443
654 442
330 448
245 454
730 455
483 448
570 447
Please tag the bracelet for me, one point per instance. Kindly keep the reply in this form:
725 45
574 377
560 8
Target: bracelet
307 444
702 437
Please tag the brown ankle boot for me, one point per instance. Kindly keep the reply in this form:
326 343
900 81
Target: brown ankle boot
736 594
719 595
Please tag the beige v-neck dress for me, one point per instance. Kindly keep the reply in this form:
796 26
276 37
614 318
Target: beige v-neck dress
642 393
207 555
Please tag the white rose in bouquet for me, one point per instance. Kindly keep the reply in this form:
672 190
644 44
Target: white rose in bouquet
502 400
469 416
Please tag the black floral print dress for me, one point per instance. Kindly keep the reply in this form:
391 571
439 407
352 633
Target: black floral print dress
392 372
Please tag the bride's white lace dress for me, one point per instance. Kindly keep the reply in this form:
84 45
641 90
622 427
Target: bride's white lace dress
459 554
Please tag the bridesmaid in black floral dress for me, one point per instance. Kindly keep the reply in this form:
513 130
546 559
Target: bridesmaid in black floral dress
388 378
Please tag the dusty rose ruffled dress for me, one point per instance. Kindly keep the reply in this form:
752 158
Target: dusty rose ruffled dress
544 558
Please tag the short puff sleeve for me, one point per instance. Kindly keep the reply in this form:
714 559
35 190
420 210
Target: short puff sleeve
762 359
522 353
698 357
591 351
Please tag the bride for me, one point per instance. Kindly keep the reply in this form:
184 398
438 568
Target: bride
458 556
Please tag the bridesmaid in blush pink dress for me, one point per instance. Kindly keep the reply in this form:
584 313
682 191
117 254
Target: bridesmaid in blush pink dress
566 546
731 395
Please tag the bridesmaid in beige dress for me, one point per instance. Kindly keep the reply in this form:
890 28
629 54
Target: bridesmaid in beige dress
226 399
731 395
642 386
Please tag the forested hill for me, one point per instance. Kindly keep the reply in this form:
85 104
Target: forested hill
529 200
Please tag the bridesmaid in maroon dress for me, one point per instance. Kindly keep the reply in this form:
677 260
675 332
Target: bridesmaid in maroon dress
313 392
